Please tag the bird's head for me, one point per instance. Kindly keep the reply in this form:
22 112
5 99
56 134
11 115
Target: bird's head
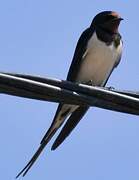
107 20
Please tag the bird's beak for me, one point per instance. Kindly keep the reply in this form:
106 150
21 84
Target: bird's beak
120 19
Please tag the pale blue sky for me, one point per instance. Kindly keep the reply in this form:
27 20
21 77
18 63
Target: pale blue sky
39 37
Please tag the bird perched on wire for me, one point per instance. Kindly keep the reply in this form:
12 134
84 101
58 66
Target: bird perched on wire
97 53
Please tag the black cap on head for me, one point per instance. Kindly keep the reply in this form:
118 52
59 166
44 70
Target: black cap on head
105 16
108 20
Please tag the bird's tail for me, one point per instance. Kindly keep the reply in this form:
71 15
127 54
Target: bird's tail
33 159
71 123
61 114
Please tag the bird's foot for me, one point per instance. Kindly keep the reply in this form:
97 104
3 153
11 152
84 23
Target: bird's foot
110 88
90 83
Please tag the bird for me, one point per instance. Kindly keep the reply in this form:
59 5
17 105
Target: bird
97 53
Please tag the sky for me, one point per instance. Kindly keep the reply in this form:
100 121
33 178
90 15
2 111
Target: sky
39 38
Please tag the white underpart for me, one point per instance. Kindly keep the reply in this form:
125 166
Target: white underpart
97 63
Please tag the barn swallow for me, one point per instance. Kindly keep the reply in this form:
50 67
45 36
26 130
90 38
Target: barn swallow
97 53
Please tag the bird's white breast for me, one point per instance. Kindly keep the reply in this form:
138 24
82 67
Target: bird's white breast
98 61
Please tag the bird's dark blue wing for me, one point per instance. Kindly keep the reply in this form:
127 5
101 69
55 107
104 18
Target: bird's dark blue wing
73 71
56 123
79 52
